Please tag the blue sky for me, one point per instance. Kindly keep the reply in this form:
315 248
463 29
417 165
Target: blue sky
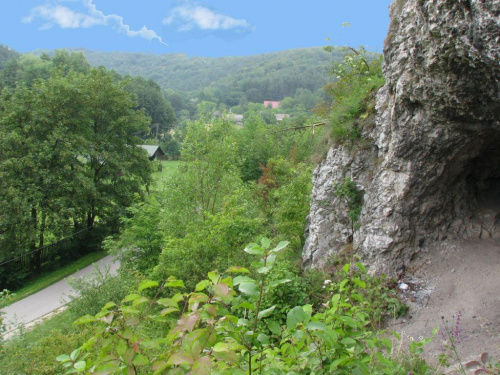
199 28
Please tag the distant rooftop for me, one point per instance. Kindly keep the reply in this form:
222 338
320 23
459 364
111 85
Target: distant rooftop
271 103
153 151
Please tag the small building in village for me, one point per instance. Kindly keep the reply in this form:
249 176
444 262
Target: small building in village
271 104
154 152
281 116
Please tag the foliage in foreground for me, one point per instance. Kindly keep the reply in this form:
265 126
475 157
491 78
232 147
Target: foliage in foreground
225 327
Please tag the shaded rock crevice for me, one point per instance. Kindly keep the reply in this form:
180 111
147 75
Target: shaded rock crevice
434 169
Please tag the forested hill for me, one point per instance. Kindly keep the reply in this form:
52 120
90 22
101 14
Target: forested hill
270 76
6 54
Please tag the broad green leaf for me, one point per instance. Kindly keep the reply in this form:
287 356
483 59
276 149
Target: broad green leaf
349 321
109 305
140 301
335 302
131 297
140 360
298 334
121 347
146 284
271 259
178 297
130 310
295 316
202 285
348 341
263 270
168 310
74 354
210 309
63 358
248 288
237 270
243 322
308 309
274 327
266 242
80 365
245 305
198 298
214 277
108 318
239 279
316 326
85 319
226 347
265 313
346 267
107 369
263 338
280 246
174 284
254 249
221 290
202 366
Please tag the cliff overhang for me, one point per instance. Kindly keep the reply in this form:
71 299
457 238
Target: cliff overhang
433 171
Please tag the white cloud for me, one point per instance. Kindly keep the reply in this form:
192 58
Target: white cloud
65 18
189 16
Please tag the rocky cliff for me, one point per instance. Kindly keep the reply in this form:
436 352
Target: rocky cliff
433 169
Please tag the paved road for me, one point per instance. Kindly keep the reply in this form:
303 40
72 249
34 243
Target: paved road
49 299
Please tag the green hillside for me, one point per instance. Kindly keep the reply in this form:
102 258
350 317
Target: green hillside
271 76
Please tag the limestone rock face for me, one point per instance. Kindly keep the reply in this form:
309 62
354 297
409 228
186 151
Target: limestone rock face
434 167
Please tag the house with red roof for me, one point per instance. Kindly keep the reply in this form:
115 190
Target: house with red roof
271 104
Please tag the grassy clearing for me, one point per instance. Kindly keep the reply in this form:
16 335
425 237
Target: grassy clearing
34 352
168 168
49 278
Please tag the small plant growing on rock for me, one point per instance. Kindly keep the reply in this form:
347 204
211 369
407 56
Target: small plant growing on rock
353 197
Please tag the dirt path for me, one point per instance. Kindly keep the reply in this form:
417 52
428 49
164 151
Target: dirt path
456 276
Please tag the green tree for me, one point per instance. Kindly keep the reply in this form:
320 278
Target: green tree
116 167
255 146
211 163
68 156
41 133
151 99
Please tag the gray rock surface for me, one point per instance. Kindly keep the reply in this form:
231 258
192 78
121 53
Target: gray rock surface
433 170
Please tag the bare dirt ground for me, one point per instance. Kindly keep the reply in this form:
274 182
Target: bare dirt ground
455 276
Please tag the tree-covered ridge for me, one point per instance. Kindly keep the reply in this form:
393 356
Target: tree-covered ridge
270 76
6 54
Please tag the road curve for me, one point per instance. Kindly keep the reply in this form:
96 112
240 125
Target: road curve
49 299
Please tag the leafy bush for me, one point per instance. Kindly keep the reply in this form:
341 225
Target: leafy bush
224 326
357 79
98 288
353 197
22 356
369 292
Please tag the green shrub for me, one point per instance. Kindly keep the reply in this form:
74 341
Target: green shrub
225 326
98 288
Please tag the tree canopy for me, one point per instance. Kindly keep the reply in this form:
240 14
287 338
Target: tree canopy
68 156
